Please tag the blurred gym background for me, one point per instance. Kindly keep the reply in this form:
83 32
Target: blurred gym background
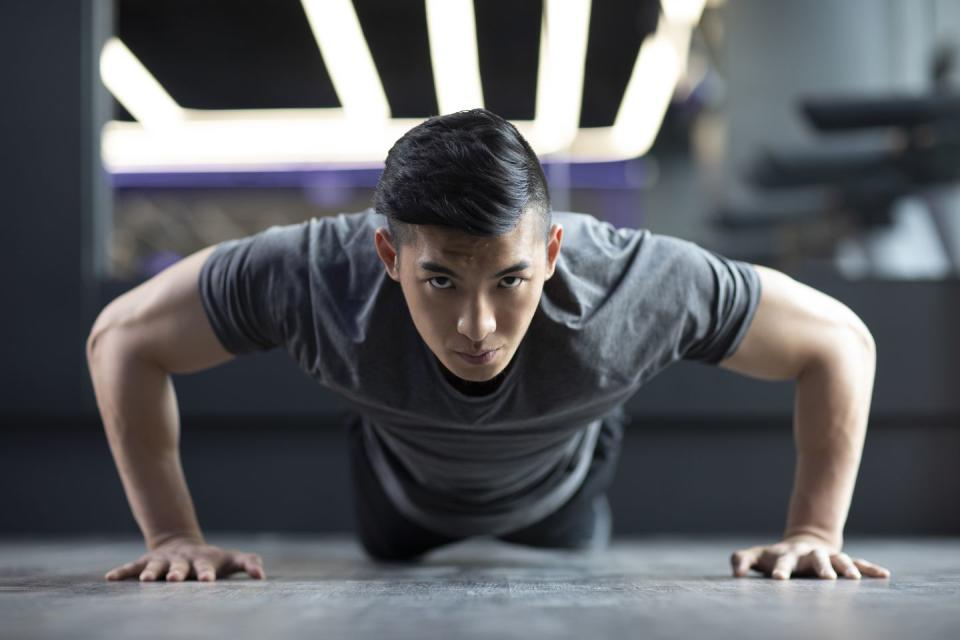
821 138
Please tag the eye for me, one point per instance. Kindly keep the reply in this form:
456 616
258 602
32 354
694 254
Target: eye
518 279
436 286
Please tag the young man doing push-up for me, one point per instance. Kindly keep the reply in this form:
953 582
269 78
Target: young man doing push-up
487 345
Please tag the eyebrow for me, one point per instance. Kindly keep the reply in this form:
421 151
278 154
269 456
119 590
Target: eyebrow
426 265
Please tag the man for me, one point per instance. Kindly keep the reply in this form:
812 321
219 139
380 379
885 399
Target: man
487 367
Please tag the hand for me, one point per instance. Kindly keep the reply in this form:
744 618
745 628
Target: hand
802 555
183 558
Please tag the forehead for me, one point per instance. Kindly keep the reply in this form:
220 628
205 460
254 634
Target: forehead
442 243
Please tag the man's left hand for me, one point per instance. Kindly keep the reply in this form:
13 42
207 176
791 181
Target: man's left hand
802 556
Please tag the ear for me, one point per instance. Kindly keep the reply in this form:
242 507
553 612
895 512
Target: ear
554 241
387 251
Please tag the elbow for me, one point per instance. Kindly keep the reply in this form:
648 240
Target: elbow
845 343
94 339
98 333
97 356
863 338
853 348
108 331
852 334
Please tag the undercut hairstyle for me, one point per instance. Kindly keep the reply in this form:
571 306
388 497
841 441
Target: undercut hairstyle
469 170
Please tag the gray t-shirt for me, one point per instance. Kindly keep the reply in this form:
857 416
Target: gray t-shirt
621 306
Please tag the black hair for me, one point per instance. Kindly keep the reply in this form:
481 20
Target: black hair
470 170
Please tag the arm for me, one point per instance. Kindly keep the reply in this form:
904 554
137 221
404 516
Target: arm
137 341
802 334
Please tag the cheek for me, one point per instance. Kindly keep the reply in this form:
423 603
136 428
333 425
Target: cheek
517 315
429 315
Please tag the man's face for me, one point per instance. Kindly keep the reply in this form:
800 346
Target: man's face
470 295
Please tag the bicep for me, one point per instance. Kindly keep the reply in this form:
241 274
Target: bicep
794 325
163 320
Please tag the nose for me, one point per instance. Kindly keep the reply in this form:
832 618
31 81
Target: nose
477 320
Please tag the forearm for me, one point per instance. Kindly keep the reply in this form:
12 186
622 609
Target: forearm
830 420
138 406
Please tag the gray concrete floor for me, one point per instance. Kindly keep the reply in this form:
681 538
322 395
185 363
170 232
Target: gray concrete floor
324 587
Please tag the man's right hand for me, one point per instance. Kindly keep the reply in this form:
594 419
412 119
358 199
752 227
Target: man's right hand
184 558
138 341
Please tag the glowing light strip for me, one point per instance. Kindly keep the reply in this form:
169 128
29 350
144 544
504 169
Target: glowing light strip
683 12
452 28
563 53
648 92
681 18
249 144
645 100
252 141
361 133
337 31
135 88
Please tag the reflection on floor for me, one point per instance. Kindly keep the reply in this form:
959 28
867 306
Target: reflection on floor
325 587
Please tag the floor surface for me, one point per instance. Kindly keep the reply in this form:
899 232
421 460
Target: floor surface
325 587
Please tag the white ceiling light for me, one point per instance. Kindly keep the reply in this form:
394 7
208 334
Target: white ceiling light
452 29
660 61
337 30
250 143
647 94
135 88
361 133
683 12
563 54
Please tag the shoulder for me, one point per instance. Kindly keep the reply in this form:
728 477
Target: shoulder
304 254
589 242
602 265
347 230
318 240
586 229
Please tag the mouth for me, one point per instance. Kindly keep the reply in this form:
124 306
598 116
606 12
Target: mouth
478 357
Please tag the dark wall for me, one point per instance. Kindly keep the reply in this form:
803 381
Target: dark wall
43 171
261 443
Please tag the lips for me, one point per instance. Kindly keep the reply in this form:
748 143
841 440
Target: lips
478 357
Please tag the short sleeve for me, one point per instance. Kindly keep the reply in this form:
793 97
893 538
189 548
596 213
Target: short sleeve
630 302
247 286
718 297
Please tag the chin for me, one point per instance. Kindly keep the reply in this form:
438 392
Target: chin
476 373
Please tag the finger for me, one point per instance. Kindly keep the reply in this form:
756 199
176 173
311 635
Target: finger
821 564
253 565
742 561
844 566
248 562
179 570
206 572
154 568
125 571
784 566
870 569
231 565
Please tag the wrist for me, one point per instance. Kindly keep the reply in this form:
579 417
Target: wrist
166 538
834 541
